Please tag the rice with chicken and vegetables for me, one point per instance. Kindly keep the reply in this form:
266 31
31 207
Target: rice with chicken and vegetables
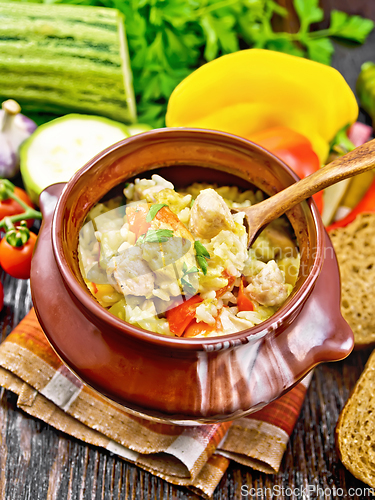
177 263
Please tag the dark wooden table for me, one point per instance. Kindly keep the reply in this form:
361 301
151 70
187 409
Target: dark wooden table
39 463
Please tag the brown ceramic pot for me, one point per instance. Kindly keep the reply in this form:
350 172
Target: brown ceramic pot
185 380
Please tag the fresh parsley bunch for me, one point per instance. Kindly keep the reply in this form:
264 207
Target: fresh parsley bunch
168 39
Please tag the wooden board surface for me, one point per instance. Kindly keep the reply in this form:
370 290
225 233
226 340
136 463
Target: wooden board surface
39 463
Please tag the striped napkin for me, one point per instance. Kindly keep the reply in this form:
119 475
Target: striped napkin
192 456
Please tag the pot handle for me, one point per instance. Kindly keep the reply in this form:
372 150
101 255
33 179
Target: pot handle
43 248
49 197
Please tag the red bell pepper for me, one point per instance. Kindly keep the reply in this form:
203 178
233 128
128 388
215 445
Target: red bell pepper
366 205
294 149
243 301
182 315
195 328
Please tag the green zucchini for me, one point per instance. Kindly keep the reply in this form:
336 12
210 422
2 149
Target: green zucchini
66 58
57 149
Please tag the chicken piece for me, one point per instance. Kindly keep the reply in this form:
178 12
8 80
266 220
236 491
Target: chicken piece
132 273
147 189
209 215
268 286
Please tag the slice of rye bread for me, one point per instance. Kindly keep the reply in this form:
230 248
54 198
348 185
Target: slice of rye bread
355 436
355 249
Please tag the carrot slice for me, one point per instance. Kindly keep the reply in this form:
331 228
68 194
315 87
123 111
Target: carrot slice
137 219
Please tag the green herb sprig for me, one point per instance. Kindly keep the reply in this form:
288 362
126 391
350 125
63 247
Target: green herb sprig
154 209
202 255
155 236
189 289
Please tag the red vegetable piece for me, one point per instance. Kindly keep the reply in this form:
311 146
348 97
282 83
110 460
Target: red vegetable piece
181 316
10 207
195 328
137 219
366 205
243 301
16 261
294 149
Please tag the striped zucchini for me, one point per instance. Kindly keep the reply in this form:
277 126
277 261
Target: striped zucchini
65 58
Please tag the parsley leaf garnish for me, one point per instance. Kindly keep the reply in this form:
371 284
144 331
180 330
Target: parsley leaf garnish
201 249
201 254
155 236
190 271
202 262
154 209
189 289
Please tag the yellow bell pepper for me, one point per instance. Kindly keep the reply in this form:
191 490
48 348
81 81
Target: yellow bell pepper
106 295
256 89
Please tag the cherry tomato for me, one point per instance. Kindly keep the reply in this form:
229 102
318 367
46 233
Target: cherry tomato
16 261
10 207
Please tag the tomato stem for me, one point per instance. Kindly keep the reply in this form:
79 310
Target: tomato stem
8 223
6 187
16 236
7 191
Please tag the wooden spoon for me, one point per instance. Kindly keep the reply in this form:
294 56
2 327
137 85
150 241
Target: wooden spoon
355 162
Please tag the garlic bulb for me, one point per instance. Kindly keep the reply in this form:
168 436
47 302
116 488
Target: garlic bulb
14 129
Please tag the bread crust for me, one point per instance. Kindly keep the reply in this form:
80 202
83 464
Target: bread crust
354 245
354 433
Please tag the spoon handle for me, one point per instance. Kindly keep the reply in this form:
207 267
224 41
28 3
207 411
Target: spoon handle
355 162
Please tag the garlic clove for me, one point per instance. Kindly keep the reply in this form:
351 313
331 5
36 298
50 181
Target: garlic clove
15 128
8 157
